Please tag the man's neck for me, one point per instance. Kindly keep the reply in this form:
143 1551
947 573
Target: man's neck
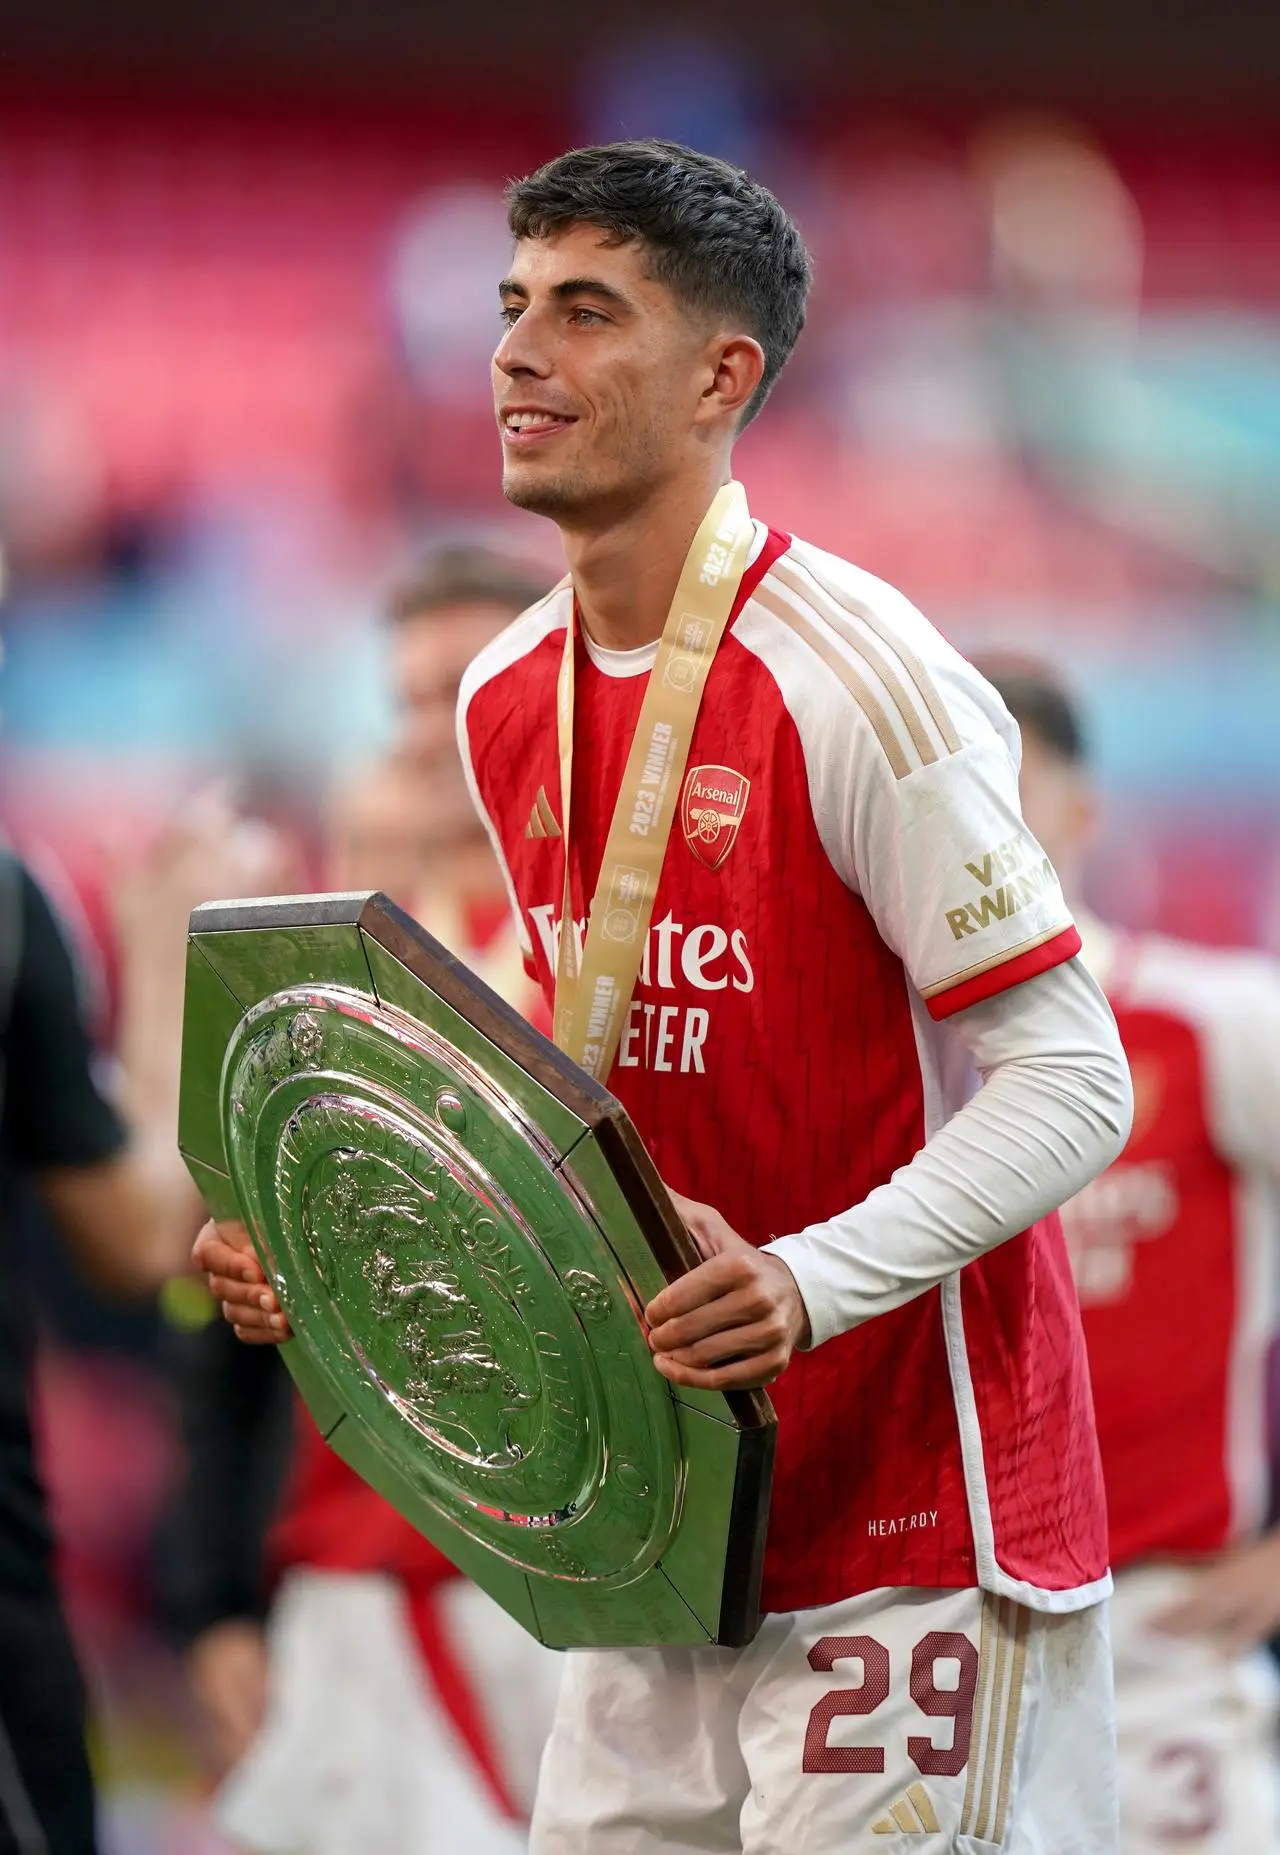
625 573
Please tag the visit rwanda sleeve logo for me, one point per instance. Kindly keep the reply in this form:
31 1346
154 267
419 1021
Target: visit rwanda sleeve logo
712 806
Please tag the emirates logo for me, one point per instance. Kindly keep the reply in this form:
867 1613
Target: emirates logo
713 804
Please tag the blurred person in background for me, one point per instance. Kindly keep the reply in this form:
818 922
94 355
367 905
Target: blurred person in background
104 1162
407 824
386 1703
1173 1247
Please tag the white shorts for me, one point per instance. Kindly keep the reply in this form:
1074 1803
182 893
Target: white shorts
1195 1730
357 1755
919 1721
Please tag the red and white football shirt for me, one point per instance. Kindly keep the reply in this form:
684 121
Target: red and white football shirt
1173 1246
864 874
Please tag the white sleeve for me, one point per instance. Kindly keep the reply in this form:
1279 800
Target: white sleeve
912 763
1242 1066
1053 1111
956 883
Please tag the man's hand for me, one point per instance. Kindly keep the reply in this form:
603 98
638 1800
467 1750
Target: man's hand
228 1668
224 1253
735 1320
1235 1602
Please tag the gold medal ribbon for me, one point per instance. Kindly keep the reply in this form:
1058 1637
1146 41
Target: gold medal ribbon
593 990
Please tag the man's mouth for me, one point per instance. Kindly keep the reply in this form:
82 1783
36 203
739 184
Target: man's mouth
526 426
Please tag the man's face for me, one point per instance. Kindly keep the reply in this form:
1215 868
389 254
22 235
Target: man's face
430 651
608 370
1059 806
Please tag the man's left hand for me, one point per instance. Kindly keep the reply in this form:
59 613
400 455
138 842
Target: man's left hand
735 1320
1234 1602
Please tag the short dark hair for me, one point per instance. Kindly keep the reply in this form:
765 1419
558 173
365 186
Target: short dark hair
465 575
718 240
1041 705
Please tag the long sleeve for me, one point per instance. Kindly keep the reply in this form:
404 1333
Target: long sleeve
236 1410
1053 1110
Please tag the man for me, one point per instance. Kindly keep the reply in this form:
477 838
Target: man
407 824
110 1180
794 1037
1173 1247
390 1702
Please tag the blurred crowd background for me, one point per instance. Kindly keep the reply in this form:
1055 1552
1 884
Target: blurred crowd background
246 306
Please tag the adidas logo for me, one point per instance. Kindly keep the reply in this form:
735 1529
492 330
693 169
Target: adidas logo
542 820
912 1814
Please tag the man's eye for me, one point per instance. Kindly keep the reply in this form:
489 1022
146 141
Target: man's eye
586 318
509 313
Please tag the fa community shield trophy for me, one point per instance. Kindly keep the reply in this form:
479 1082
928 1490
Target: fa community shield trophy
463 1228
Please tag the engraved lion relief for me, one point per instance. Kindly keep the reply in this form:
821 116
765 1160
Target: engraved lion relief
429 1285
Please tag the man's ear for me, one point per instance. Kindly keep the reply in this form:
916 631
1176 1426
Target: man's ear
737 368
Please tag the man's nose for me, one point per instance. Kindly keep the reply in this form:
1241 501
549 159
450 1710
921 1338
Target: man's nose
522 351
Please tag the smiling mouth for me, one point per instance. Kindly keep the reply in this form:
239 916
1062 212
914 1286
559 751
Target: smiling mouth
525 428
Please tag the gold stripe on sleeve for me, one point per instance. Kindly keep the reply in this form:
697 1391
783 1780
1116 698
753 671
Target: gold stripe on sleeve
827 609
997 959
910 662
844 670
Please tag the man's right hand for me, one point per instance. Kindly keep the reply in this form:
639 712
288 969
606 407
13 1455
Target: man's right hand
224 1255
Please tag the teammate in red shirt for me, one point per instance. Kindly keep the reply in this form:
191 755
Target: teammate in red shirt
848 922
1174 1248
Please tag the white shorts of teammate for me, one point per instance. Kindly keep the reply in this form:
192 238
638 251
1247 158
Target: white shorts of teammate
358 1756
920 1721
1195 1730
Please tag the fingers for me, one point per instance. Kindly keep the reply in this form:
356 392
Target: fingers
729 1324
226 1249
745 1342
218 1259
257 1326
737 1375
234 1292
223 1254
737 1307
710 1280
254 1336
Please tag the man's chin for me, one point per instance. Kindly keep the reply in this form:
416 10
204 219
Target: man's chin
541 493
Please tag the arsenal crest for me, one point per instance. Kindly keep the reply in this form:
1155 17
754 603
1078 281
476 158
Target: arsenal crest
712 806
